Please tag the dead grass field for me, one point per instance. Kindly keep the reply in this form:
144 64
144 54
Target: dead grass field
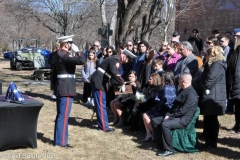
91 144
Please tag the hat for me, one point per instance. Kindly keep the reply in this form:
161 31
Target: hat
65 39
215 31
128 53
175 34
236 30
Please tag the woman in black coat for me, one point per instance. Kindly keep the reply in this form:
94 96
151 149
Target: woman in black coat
233 82
147 68
213 93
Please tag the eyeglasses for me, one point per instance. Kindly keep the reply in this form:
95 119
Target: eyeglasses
95 45
168 48
208 43
173 41
221 41
164 45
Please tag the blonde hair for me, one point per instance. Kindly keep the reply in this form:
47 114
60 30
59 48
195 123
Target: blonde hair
215 52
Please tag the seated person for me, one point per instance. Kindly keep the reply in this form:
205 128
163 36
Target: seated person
164 101
150 91
180 115
125 99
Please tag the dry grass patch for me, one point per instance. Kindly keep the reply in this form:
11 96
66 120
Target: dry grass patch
88 142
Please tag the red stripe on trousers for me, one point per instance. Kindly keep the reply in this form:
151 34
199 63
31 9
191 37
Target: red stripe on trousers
101 110
65 121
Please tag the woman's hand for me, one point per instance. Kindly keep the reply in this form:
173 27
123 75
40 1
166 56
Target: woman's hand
133 84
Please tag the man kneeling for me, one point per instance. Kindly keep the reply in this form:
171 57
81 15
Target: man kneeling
180 115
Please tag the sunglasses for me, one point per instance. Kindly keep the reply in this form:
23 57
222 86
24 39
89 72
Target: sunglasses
95 45
208 43
168 48
129 45
221 41
70 42
173 41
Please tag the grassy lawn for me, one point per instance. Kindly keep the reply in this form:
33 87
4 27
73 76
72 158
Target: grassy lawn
88 142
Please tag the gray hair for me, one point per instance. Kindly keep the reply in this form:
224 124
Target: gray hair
187 45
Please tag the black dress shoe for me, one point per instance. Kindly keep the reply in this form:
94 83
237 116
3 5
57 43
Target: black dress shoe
110 130
68 146
237 131
164 153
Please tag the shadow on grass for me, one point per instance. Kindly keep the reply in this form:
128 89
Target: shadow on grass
231 142
225 152
84 122
47 97
41 137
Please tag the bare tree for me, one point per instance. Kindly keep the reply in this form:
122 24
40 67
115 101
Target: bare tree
136 19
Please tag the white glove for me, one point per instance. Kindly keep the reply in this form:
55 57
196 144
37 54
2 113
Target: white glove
207 91
74 48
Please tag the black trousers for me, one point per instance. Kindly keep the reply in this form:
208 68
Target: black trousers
211 128
87 91
237 113
166 127
156 121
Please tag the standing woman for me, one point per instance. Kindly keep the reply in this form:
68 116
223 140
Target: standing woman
65 88
87 69
213 96
233 81
147 68
172 58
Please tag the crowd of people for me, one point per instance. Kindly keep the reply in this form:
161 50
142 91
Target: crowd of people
173 82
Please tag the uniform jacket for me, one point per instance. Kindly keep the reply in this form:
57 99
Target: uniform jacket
233 75
184 106
87 71
66 64
99 79
213 79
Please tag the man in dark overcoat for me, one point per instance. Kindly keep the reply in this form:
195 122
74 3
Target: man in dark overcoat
180 115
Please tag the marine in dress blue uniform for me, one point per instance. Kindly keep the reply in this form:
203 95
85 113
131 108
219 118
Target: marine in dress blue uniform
65 88
106 73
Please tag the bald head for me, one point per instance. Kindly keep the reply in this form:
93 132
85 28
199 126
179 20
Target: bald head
185 80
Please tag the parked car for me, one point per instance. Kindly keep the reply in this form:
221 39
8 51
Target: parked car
42 51
8 55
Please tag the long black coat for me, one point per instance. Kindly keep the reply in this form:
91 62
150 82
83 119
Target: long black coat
184 106
99 80
213 79
66 64
233 75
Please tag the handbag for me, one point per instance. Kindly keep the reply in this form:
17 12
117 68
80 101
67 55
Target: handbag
14 94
